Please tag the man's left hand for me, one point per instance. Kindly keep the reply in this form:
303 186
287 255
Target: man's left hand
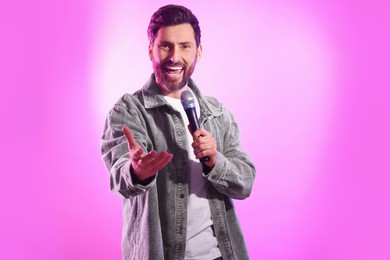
205 145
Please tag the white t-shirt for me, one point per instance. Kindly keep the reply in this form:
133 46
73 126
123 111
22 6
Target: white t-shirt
201 242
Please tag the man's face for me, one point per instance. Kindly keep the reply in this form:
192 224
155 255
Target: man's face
174 55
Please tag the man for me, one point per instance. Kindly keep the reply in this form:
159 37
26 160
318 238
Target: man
173 206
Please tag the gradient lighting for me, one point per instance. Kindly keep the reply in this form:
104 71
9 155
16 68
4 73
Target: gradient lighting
307 82
281 72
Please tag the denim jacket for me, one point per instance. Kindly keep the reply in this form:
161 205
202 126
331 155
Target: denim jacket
154 214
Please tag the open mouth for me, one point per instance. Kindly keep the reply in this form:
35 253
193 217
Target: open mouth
173 72
174 69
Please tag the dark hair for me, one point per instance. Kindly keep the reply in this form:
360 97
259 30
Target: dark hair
172 15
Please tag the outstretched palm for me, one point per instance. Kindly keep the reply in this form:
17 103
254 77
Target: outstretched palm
145 165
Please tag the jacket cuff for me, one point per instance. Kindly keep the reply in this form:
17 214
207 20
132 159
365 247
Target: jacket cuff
142 185
216 174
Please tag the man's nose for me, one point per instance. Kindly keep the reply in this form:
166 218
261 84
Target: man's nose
174 54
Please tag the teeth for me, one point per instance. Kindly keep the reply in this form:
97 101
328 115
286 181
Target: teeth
175 68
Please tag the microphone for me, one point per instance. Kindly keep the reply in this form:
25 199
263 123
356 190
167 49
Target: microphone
188 102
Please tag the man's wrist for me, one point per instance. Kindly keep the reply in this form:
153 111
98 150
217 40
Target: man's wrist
136 180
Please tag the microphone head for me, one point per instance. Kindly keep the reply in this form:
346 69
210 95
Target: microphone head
187 99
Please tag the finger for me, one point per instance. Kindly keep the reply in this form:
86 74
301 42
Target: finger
204 148
130 137
204 151
211 154
198 133
149 157
136 153
206 142
202 134
203 140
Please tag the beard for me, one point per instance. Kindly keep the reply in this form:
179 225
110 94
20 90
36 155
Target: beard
165 82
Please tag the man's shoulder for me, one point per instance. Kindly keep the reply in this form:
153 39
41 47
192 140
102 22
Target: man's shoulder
213 104
213 101
129 100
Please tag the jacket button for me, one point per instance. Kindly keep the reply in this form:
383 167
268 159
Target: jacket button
181 195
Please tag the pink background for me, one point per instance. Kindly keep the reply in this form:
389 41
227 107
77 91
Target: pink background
308 82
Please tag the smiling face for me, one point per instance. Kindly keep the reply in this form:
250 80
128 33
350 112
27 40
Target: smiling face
174 55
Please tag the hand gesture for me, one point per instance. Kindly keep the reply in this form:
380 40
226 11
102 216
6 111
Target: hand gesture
145 165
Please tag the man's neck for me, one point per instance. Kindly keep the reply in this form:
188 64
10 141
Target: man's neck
176 94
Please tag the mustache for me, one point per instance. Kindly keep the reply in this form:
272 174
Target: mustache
173 64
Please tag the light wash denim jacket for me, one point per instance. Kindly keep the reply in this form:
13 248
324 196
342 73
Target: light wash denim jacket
154 215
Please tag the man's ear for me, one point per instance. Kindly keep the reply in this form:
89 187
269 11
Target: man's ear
199 53
150 49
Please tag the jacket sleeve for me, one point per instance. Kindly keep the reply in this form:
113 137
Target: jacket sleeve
234 173
115 151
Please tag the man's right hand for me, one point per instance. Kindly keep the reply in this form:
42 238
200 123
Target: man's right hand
145 165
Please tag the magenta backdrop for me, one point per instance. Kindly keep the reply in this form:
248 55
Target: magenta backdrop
308 82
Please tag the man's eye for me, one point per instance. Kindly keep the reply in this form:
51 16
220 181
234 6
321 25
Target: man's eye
186 46
164 47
